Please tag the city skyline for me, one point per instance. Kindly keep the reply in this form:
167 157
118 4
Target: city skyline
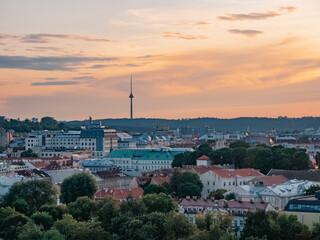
188 58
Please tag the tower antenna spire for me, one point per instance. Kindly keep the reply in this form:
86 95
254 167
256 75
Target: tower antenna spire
131 97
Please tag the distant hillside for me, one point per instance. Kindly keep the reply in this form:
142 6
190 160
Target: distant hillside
236 124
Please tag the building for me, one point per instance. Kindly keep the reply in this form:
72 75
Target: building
264 181
246 193
304 175
144 159
225 178
113 179
98 139
280 195
119 194
203 161
236 210
97 165
306 208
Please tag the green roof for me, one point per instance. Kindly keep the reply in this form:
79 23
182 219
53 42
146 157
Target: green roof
143 154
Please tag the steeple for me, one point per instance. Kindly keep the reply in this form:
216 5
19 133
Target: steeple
131 97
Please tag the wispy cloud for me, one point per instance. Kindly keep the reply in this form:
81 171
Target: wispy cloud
45 49
257 16
66 63
183 36
51 79
55 83
248 33
201 23
46 38
99 66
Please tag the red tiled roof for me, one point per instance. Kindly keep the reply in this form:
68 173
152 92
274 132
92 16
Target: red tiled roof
39 164
237 172
119 194
204 169
53 166
275 179
204 157
160 180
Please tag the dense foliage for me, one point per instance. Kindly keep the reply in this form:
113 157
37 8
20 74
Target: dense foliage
152 217
260 157
77 185
46 123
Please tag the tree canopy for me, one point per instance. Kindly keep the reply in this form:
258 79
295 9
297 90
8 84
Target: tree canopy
242 155
78 185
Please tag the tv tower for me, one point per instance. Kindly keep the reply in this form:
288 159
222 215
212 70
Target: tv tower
131 97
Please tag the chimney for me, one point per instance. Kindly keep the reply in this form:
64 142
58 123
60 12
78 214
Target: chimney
188 197
194 197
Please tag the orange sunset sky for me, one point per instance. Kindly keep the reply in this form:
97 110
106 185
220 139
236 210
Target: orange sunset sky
205 58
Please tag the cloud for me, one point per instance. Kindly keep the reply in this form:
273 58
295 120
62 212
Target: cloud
288 9
257 16
198 23
55 83
46 38
183 36
87 78
248 33
66 63
99 66
44 49
51 79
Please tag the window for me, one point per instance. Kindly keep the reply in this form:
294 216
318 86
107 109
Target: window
208 183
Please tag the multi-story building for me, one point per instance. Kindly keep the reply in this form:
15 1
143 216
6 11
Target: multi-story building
98 139
306 208
144 159
279 195
227 179
235 210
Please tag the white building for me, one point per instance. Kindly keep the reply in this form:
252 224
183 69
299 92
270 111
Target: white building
144 159
279 195
227 179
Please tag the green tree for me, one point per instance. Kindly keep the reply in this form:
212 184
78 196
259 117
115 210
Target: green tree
66 226
186 184
28 154
78 185
159 203
35 192
230 196
152 188
239 144
53 234
21 206
312 189
83 209
43 219
30 231
260 224
108 210
315 234
11 223
239 155
177 226
218 194
55 211
133 206
49 123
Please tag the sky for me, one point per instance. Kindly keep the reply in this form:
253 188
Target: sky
205 58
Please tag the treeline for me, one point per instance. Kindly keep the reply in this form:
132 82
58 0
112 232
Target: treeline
46 123
29 212
240 154
236 124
